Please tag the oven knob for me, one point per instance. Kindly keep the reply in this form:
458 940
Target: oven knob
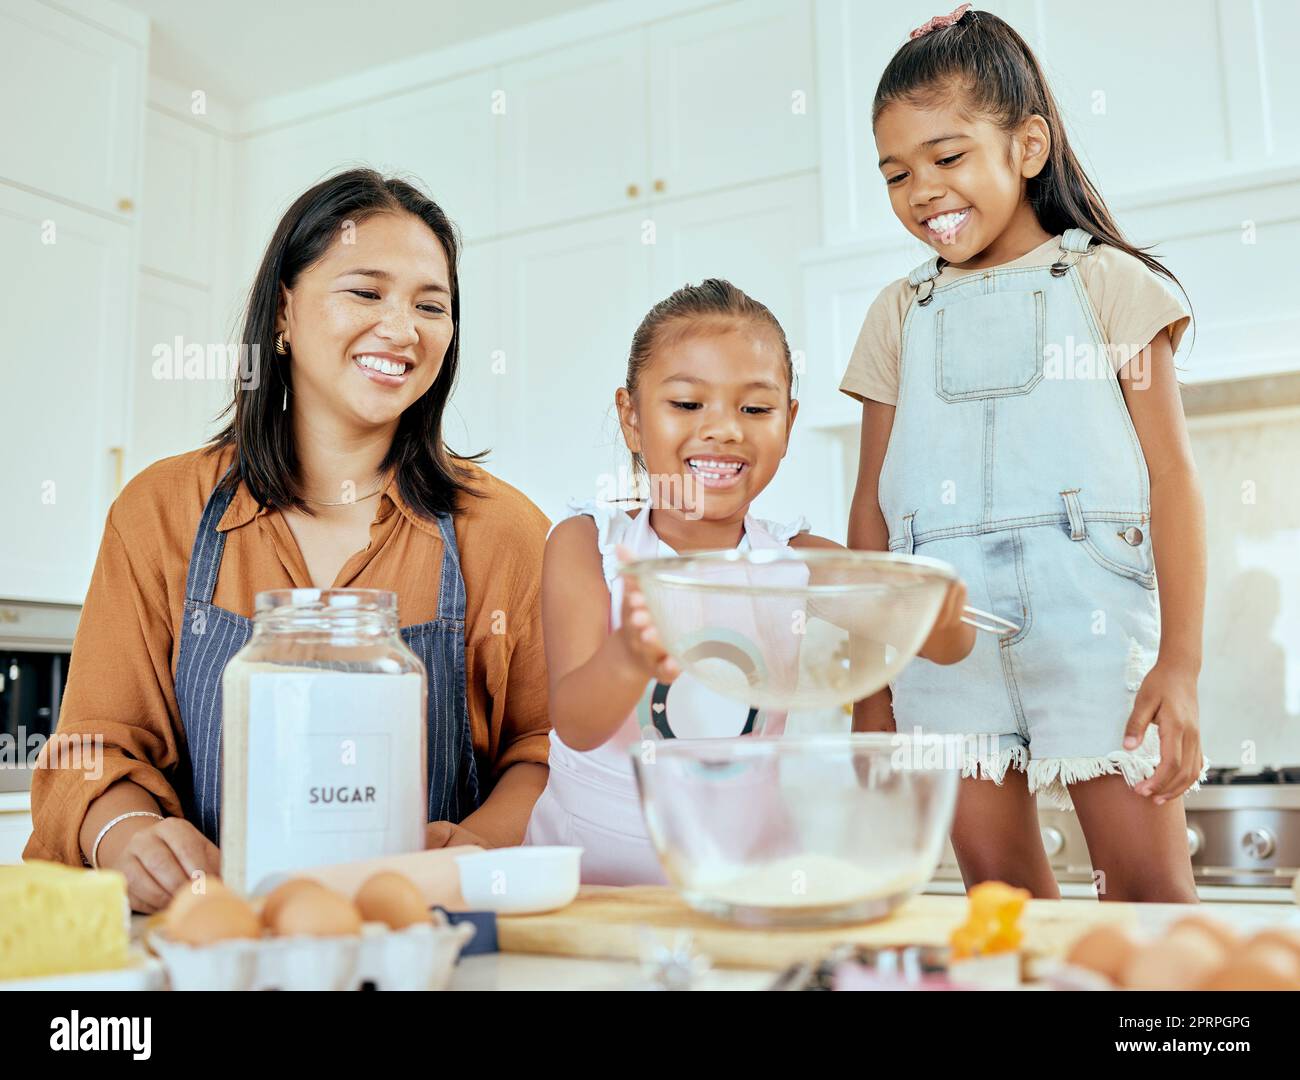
1258 843
1053 840
1194 840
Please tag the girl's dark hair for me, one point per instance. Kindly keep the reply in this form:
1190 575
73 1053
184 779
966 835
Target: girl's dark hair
428 474
712 305
990 68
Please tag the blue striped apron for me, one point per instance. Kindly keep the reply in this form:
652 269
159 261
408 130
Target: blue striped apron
210 636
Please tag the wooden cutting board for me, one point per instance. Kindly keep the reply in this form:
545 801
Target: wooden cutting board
609 923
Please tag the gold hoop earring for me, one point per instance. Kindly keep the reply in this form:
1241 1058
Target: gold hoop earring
281 346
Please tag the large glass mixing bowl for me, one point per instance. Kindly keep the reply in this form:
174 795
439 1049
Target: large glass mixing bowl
798 831
793 629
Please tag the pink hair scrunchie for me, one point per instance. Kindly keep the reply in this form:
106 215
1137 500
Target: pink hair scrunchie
939 22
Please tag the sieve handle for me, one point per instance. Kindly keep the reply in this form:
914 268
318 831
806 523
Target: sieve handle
988 622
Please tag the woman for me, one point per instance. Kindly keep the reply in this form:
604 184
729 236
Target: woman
332 473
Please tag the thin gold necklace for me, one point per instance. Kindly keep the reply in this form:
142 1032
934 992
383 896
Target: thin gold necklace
344 502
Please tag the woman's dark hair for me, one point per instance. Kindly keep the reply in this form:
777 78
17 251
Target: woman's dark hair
712 305
982 62
428 474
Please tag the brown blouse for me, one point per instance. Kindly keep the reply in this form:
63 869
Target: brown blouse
121 685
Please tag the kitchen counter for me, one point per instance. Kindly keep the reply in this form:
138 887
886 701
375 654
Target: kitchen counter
514 971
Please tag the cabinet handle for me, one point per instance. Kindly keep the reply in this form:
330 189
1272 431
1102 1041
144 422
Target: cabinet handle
633 191
125 205
118 455
661 185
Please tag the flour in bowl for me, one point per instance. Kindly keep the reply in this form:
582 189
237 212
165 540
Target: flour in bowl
804 881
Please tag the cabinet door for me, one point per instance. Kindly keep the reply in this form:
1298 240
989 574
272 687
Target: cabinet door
275 167
66 308
75 133
178 219
176 397
754 237
731 96
751 236
444 137
572 297
574 132
477 413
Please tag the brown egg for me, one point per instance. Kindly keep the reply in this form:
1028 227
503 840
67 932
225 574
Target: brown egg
219 915
1285 936
1178 961
1105 950
317 913
391 898
276 898
1260 967
185 898
1224 934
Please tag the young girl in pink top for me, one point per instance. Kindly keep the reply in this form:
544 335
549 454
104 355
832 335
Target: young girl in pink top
706 411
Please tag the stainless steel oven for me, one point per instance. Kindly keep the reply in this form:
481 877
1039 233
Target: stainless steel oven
35 650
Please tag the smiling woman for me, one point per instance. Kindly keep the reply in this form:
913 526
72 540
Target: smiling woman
332 473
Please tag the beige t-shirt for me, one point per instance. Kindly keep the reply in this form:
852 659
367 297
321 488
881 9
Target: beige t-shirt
1131 304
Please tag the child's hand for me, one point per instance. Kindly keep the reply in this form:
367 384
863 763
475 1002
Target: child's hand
950 639
1167 698
637 633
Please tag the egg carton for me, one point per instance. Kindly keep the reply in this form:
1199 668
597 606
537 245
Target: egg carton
419 957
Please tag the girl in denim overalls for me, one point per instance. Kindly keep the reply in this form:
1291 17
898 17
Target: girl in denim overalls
1015 426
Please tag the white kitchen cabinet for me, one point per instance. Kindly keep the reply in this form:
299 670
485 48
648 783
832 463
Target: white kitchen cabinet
570 299
752 236
477 415
689 104
175 398
574 132
75 106
444 136
178 214
731 96
67 317
275 167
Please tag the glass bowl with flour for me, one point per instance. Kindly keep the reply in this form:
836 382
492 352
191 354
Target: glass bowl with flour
800 830
323 736
793 629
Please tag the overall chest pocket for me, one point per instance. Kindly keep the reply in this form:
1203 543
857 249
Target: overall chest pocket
989 346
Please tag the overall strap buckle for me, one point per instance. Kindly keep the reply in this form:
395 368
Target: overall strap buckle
922 279
1074 245
1078 527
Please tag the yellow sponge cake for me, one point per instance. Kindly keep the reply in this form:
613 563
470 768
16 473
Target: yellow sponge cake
56 919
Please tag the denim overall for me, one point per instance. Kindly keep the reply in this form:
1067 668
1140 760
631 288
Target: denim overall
1013 458
210 636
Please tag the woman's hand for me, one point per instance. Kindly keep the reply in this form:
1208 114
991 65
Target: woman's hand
950 639
1167 698
158 858
637 634
440 834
